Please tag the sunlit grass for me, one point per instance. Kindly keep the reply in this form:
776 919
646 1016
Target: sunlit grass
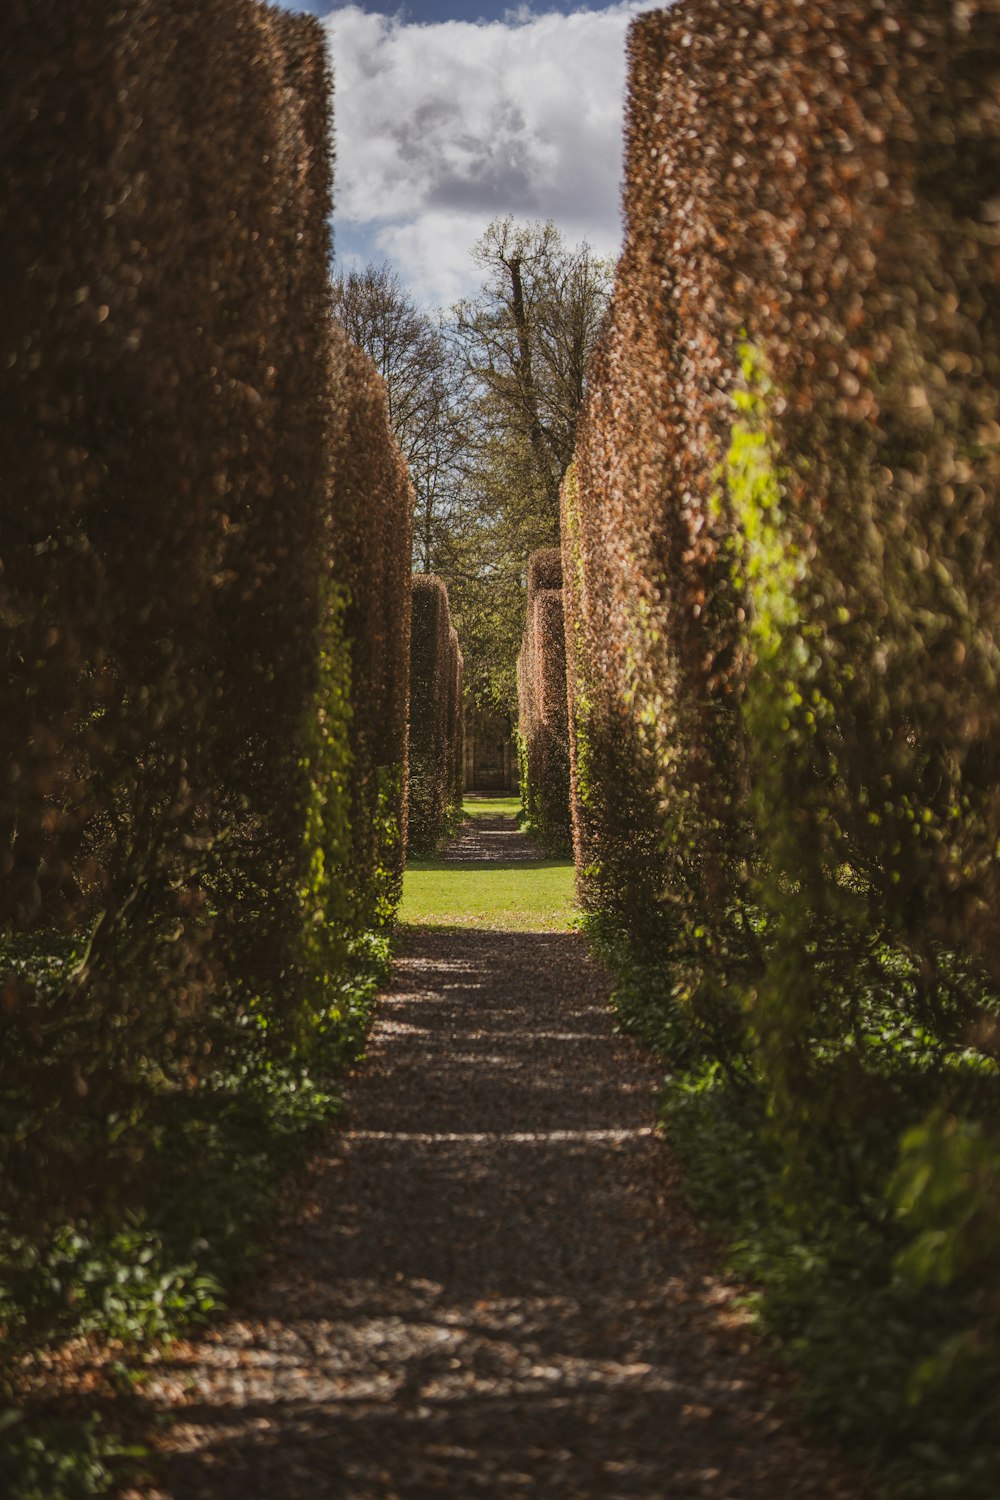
506 897
477 806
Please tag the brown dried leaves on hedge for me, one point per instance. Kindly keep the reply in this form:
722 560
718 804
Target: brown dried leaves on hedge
779 534
175 691
543 724
374 522
436 716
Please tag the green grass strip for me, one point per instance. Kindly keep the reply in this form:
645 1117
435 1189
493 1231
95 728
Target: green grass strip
476 806
502 896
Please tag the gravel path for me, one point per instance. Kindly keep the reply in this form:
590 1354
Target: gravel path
490 838
490 1288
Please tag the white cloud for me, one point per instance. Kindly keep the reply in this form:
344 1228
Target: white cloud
443 127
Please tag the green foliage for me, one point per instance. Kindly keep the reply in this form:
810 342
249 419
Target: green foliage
486 588
528 809
214 1159
328 908
945 1192
525 342
584 788
946 1188
54 1460
834 1081
877 1296
780 709
123 1286
379 901
665 1002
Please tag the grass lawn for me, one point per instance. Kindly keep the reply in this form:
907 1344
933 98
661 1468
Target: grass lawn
504 897
478 806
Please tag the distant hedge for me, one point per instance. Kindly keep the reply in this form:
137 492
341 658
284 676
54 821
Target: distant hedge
782 560
179 735
456 722
543 729
544 571
436 716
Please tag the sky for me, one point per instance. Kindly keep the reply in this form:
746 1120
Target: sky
450 115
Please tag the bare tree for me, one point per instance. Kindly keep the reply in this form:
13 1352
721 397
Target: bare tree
526 340
523 346
414 358
485 407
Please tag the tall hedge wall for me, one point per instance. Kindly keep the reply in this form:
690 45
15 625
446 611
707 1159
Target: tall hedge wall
373 530
780 541
543 729
175 699
436 716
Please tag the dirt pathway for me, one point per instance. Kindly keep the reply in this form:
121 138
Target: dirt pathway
495 838
493 1289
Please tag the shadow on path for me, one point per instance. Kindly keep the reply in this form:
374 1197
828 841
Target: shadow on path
493 1290
496 837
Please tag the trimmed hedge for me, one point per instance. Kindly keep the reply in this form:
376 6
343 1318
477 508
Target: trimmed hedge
544 571
184 591
436 717
543 729
456 723
374 522
780 546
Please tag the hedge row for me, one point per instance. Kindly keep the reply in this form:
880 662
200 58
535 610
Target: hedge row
373 530
456 723
782 558
185 593
436 717
543 730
